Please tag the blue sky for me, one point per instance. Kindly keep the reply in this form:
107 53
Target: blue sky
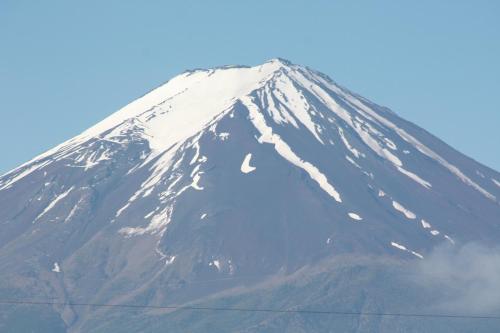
64 65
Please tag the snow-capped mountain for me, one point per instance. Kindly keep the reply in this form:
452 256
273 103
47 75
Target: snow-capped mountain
221 182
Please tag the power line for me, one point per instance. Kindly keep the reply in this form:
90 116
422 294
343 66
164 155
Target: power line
206 308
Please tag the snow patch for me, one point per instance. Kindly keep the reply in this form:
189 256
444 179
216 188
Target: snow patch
245 166
223 136
397 206
194 184
215 263
196 147
389 143
56 268
170 260
425 225
196 179
355 216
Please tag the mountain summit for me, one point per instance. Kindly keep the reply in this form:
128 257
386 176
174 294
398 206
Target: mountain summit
226 185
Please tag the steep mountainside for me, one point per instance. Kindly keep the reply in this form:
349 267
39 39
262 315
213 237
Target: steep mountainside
268 186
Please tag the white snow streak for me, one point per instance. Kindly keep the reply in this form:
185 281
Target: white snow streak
196 147
396 245
54 202
280 115
415 177
369 113
449 239
416 254
416 143
397 206
286 94
158 170
358 125
353 150
353 162
121 210
72 212
21 174
285 151
403 248
390 144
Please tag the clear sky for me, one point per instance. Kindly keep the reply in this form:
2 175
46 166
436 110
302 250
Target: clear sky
64 65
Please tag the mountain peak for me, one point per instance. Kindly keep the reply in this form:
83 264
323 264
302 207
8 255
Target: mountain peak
194 97
230 173
280 61
296 96
275 63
